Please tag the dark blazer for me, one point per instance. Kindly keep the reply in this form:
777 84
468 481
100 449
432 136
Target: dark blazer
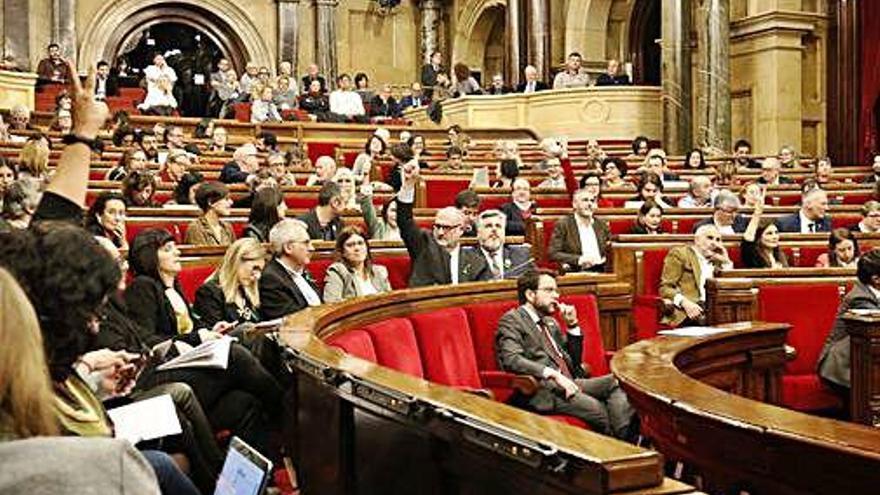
409 102
430 261
147 305
740 223
516 222
609 80
258 232
329 233
232 173
782 180
834 360
517 260
279 295
565 245
211 306
429 77
314 104
539 86
111 88
379 108
492 90
792 223
307 81
520 349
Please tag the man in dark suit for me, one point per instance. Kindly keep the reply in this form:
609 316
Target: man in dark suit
613 77
384 105
531 84
437 257
416 99
502 261
725 216
286 286
430 72
497 87
770 173
106 84
811 217
875 166
313 76
323 221
834 360
580 241
529 342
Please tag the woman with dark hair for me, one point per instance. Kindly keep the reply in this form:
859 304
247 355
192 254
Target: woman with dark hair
649 220
374 148
209 229
20 203
382 228
843 250
186 187
132 159
695 159
592 182
649 187
614 173
236 399
507 172
106 218
465 84
640 147
760 242
362 88
353 274
8 175
138 189
267 209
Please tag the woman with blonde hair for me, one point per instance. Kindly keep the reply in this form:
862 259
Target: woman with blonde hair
26 395
231 293
33 160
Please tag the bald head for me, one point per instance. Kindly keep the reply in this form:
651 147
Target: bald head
707 240
448 225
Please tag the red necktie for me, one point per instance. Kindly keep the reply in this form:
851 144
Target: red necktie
555 355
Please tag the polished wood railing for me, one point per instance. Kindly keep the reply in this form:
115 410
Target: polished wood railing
700 401
361 428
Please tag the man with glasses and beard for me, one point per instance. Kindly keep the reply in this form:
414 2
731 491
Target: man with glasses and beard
529 342
502 261
437 257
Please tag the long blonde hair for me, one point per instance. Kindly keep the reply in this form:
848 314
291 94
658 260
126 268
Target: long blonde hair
226 275
34 159
26 397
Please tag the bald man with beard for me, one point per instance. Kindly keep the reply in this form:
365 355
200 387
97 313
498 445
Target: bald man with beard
437 257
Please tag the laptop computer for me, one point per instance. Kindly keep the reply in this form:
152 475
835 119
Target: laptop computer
245 471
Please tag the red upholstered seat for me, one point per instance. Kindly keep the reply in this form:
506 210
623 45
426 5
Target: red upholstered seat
809 255
483 320
398 270
441 193
318 269
652 269
686 225
395 343
192 277
242 112
317 150
446 347
355 342
301 202
588 317
810 309
133 227
622 225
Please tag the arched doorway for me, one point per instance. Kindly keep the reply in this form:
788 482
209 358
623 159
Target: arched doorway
191 52
480 37
644 31
119 24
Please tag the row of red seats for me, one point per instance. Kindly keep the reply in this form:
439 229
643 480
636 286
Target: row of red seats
456 346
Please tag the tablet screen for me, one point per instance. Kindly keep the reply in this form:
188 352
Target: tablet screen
245 471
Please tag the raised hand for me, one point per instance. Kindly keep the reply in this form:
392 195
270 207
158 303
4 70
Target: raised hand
89 115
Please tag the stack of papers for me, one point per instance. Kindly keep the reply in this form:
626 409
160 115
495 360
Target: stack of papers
210 354
145 420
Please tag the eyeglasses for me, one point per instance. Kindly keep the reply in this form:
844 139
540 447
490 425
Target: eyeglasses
549 290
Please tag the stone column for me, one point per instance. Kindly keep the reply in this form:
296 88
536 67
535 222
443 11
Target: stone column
326 39
64 28
539 37
713 75
288 32
429 40
676 75
17 33
513 43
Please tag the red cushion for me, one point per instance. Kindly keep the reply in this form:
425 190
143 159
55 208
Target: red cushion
652 268
441 193
686 225
810 309
588 319
355 342
318 269
446 347
483 319
317 150
807 393
621 225
301 202
573 421
192 277
809 255
395 343
242 112
398 270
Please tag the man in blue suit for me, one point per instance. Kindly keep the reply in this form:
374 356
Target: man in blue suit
500 260
811 217
415 99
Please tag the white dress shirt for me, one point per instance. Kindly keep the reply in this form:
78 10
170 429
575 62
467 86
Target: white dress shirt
806 222
496 259
346 103
312 297
453 263
589 243
707 271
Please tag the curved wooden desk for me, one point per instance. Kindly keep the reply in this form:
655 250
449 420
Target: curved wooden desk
362 428
684 391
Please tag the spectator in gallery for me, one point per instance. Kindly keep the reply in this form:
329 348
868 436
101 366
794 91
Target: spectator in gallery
106 84
415 99
843 250
612 76
742 152
531 83
285 95
384 106
285 69
788 157
362 87
497 86
313 74
465 84
263 109
431 71
248 80
224 89
574 76
345 102
53 69
875 166
315 102
160 79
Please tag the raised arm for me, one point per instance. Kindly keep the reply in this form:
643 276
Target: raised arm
752 228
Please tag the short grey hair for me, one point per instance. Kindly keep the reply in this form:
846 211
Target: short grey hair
725 198
22 198
285 231
488 214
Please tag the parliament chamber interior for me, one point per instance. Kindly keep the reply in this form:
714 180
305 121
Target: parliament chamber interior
623 247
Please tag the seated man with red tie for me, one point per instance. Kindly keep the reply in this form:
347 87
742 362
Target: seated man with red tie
529 342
